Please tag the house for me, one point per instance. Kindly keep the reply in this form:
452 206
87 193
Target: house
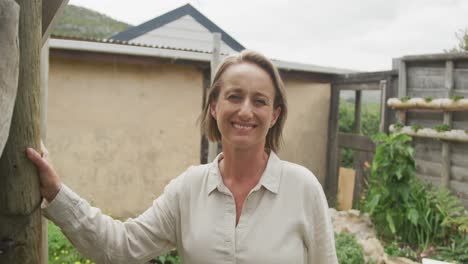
122 114
182 28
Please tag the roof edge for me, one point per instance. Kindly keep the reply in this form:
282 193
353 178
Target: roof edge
175 54
159 21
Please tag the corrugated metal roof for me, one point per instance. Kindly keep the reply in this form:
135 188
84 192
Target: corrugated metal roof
124 47
122 42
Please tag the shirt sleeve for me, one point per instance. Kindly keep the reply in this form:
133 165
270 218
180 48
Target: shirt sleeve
321 239
105 240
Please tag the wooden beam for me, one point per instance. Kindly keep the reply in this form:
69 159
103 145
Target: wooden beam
333 155
355 142
213 147
436 57
51 10
383 105
446 165
402 78
364 77
44 103
9 54
19 183
357 113
374 86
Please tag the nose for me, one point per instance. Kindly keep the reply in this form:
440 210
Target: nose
246 110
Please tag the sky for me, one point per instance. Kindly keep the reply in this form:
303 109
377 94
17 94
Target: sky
354 34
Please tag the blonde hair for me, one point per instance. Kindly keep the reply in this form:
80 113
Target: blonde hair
209 126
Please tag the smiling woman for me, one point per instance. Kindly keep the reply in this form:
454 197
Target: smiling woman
246 206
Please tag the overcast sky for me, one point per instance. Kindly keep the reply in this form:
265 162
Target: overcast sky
355 34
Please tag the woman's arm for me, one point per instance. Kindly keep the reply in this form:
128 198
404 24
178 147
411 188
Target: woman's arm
98 236
321 242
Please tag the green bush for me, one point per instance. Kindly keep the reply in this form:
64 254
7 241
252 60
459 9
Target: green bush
348 250
62 251
403 208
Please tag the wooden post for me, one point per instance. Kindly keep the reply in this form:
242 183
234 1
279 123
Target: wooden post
19 183
446 164
43 114
333 155
402 77
402 89
9 54
383 105
213 146
357 112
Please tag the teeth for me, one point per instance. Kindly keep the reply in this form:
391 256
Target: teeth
242 126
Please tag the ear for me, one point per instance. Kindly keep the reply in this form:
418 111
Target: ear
213 110
275 115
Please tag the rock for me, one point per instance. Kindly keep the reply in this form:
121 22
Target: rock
354 222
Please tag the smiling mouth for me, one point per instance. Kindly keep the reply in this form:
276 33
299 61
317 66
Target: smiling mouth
243 126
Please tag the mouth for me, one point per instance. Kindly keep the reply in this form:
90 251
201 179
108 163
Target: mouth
244 127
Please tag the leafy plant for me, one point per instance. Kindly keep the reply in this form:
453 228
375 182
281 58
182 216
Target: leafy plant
416 127
61 250
348 250
405 98
456 97
170 258
456 250
403 207
398 126
442 128
428 99
395 249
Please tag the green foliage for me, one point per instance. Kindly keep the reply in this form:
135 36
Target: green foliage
60 250
395 249
462 45
416 127
370 121
456 97
81 22
398 126
170 258
428 99
405 98
456 251
442 128
404 209
348 250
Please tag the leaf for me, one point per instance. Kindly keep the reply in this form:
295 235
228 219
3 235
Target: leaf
390 222
373 203
413 216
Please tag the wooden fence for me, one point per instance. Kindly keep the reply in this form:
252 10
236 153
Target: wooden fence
441 162
362 146
437 76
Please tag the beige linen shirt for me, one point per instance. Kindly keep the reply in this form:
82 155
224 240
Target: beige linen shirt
284 220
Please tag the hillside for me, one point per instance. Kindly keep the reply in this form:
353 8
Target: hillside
82 22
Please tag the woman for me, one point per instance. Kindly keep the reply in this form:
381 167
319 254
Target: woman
247 206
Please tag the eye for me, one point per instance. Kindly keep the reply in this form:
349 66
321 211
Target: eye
260 102
234 97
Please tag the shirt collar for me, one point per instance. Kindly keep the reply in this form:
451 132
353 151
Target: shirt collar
270 178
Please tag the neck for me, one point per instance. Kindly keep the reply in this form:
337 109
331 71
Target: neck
243 166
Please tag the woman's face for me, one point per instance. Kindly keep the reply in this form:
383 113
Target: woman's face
245 110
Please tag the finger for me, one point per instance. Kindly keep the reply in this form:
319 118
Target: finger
43 148
36 159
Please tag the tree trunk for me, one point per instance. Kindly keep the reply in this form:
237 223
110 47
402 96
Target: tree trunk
19 184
